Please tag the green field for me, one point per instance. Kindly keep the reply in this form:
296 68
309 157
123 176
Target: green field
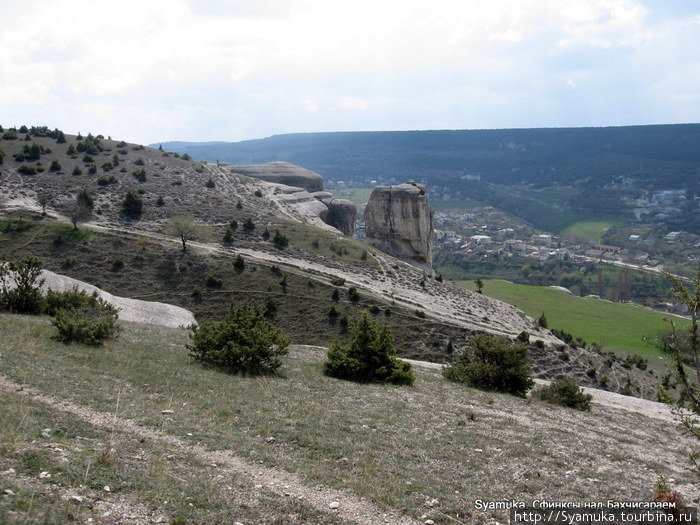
591 230
359 196
616 326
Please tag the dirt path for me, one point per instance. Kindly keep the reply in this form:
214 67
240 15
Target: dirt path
350 508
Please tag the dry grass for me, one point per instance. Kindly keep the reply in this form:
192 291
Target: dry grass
399 447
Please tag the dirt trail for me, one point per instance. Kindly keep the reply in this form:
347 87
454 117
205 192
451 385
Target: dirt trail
351 509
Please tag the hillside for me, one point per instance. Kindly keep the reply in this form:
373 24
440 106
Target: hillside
132 257
534 156
135 432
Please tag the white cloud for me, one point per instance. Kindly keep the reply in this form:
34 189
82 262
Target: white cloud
167 69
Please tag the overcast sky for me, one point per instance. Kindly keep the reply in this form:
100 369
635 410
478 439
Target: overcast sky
156 70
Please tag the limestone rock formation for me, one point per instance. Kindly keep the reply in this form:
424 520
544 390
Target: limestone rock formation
399 221
283 173
295 187
341 214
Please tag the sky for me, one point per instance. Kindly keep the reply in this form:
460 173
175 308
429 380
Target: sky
149 71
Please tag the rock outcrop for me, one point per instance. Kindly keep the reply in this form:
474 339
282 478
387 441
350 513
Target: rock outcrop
300 183
283 173
399 221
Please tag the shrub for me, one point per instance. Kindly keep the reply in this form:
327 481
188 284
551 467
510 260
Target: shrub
369 357
24 296
132 205
214 282
242 342
210 183
140 175
542 321
77 171
55 166
86 199
24 169
88 324
523 337
239 263
228 236
353 294
258 193
73 298
103 180
248 225
280 240
493 363
337 281
566 392
266 234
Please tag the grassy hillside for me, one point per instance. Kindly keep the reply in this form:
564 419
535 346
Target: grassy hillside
613 325
212 455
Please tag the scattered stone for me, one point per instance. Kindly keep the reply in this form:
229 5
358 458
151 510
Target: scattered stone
76 499
166 412
8 472
9 492
271 440
432 503
428 522
334 505
107 489
44 475
46 433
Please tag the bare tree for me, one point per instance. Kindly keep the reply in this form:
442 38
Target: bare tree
78 211
187 229
43 201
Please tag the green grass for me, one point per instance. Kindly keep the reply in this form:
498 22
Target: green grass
614 325
435 440
359 196
589 230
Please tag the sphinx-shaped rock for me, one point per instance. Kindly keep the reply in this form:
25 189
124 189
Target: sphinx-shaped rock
283 173
299 185
399 221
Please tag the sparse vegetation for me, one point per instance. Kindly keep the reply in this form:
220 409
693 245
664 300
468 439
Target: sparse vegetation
369 357
242 342
566 392
493 363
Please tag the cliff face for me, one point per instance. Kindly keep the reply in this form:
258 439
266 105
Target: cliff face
283 173
399 221
339 213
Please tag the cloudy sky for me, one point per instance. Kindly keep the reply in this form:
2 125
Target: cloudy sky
156 70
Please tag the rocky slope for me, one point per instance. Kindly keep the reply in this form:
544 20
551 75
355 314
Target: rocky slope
313 202
318 254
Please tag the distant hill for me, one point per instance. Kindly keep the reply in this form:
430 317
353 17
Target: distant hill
649 154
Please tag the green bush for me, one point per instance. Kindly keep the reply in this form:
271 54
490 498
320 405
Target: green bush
369 357
242 342
73 298
493 363
87 324
103 180
132 205
280 240
24 169
566 392
20 286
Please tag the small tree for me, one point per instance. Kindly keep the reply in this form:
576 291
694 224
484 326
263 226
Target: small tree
55 166
248 225
132 205
20 286
280 240
493 363
687 407
369 357
242 342
479 285
228 236
43 201
542 321
78 212
187 229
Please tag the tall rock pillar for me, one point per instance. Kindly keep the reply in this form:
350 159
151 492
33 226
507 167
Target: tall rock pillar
399 221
